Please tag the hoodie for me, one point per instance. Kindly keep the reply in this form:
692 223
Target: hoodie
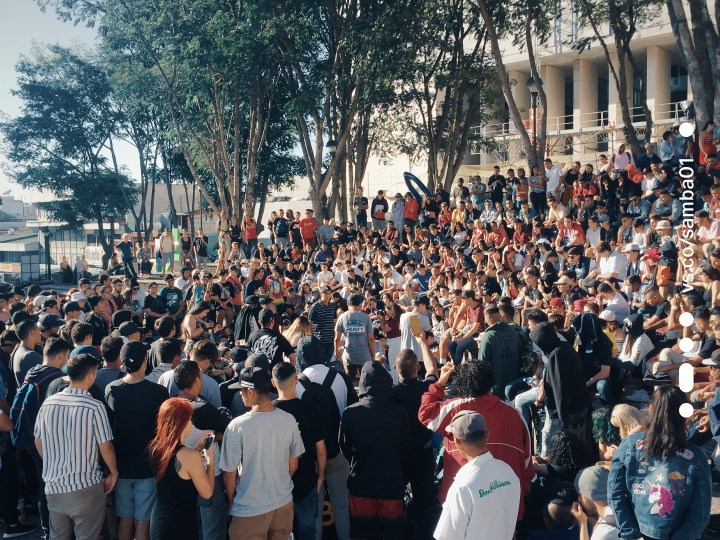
564 383
375 438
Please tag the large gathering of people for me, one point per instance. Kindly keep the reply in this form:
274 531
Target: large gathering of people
504 360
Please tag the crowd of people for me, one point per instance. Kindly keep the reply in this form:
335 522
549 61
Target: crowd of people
498 361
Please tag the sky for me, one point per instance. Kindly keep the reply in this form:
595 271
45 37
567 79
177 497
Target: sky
22 24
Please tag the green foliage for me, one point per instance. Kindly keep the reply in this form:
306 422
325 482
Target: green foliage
57 142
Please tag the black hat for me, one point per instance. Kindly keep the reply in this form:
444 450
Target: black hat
128 329
50 320
258 360
132 355
264 299
239 354
255 378
252 299
20 316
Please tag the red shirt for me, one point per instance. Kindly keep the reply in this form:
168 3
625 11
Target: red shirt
572 234
307 228
250 230
412 209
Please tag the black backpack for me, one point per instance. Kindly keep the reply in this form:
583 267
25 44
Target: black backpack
323 396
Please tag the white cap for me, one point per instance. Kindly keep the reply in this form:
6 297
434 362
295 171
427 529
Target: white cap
631 247
77 296
607 315
40 300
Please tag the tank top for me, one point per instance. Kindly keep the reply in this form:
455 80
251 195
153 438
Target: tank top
175 510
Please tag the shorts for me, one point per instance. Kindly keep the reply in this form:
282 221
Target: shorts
135 497
376 518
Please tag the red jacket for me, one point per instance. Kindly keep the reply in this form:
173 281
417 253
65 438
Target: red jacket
509 439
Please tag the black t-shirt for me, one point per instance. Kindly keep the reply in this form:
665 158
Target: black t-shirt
360 201
307 415
133 411
409 394
126 249
273 344
201 246
156 305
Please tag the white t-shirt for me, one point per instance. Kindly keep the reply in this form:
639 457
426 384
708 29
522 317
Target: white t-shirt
482 502
407 340
553 175
606 527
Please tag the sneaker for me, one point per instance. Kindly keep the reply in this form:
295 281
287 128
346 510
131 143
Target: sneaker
640 396
658 379
19 529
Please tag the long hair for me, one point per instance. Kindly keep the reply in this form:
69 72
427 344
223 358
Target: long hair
665 434
626 418
174 415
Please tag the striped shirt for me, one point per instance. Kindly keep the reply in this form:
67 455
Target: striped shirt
71 425
323 320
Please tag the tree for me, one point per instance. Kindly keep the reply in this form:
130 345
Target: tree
624 16
57 142
699 45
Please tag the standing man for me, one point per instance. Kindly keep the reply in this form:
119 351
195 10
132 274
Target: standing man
407 339
25 357
354 331
201 249
361 205
126 250
73 477
309 479
482 500
379 209
133 404
308 229
259 456
269 341
167 251
322 315
554 177
375 438
173 298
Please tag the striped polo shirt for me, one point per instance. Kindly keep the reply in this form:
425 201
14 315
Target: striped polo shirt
323 319
72 424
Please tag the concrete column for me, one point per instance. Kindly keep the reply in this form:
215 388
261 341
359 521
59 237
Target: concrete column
554 85
614 100
521 94
585 102
658 82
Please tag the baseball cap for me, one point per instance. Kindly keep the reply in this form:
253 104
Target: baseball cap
77 297
264 299
631 247
40 300
604 218
468 426
663 224
239 354
258 360
592 483
49 303
132 355
245 261
323 288
265 316
85 349
557 302
255 378
234 268
128 329
607 315
50 320
20 316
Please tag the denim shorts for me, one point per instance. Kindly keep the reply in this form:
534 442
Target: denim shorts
135 497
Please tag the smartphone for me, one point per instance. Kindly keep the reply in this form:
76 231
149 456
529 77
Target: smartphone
415 325
208 442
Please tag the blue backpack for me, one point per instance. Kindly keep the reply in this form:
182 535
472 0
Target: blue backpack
25 409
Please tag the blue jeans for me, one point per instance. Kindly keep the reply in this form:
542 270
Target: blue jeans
457 350
214 513
305 514
524 401
251 247
515 388
551 427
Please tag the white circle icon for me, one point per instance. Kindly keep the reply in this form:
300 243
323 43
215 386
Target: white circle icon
686 344
686 319
686 410
687 129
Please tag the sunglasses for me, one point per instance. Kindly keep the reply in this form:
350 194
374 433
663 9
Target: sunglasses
136 289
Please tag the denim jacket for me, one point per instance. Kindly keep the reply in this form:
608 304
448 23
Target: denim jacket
663 499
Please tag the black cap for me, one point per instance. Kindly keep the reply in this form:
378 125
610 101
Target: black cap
264 299
50 320
239 354
258 360
252 299
132 355
128 328
20 316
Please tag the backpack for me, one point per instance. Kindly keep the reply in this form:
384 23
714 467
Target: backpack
323 396
25 409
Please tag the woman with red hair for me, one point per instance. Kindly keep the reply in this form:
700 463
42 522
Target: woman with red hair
180 472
